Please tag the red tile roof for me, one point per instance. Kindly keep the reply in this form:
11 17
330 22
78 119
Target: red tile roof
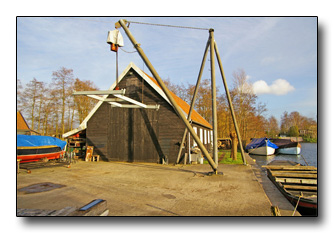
195 116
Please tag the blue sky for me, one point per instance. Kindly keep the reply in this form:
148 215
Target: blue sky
278 54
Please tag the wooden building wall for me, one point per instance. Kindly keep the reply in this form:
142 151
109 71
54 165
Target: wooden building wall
143 135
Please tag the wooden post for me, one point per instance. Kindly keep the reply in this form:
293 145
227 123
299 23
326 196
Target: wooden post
18 165
214 97
234 148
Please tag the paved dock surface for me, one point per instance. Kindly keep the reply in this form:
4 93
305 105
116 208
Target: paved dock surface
146 189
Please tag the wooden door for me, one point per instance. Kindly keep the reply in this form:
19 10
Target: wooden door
133 135
145 136
120 134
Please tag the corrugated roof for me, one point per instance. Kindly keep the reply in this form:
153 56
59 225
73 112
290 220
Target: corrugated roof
195 116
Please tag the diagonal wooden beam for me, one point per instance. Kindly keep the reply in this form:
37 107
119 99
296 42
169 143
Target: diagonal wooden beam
131 101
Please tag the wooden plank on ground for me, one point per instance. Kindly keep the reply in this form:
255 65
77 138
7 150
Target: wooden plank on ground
32 212
63 212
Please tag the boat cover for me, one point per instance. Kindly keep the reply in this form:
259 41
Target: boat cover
285 143
259 142
36 141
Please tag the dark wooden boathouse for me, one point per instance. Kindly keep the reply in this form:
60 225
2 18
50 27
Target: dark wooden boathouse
141 134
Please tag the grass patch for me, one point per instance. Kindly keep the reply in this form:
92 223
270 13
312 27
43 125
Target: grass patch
226 159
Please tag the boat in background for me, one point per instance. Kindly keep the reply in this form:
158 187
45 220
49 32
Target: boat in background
31 148
261 146
287 146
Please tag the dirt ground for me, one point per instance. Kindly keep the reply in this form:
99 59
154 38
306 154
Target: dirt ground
146 189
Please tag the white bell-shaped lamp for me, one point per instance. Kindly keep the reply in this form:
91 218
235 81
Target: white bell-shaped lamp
115 39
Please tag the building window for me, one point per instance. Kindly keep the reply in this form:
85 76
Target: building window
209 137
201 134
195 129
205 134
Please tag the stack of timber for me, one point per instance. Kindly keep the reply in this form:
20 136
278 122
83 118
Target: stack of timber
297 183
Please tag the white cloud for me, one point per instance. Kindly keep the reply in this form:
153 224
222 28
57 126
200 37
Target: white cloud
278 87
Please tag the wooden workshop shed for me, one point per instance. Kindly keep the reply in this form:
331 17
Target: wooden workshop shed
119 132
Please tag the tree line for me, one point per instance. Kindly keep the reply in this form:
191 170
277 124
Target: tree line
250 113
51 109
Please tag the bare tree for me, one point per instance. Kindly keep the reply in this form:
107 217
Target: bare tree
32 95
83 105
62 80
273 128
244 101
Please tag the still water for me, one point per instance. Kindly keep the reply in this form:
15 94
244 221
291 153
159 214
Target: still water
308 154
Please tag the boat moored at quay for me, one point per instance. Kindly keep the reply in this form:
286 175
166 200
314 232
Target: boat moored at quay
287 146
261 146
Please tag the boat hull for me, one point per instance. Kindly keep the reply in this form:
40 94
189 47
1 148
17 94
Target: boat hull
264 150
37 154
289 151
287 147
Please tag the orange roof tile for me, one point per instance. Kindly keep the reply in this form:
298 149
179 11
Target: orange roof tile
20 122
195 116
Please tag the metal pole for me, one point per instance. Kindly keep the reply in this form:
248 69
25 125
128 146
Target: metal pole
230 103
116 69
169 96
193 99
214 96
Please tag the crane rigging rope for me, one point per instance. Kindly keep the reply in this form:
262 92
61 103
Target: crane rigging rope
166 25
135 22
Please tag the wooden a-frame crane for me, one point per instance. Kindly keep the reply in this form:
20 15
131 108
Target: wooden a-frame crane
213 48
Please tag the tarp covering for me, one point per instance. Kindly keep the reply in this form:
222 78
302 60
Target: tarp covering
36 141
259 142
284 143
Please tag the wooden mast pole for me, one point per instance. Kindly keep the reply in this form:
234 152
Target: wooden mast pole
167 93
213 96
